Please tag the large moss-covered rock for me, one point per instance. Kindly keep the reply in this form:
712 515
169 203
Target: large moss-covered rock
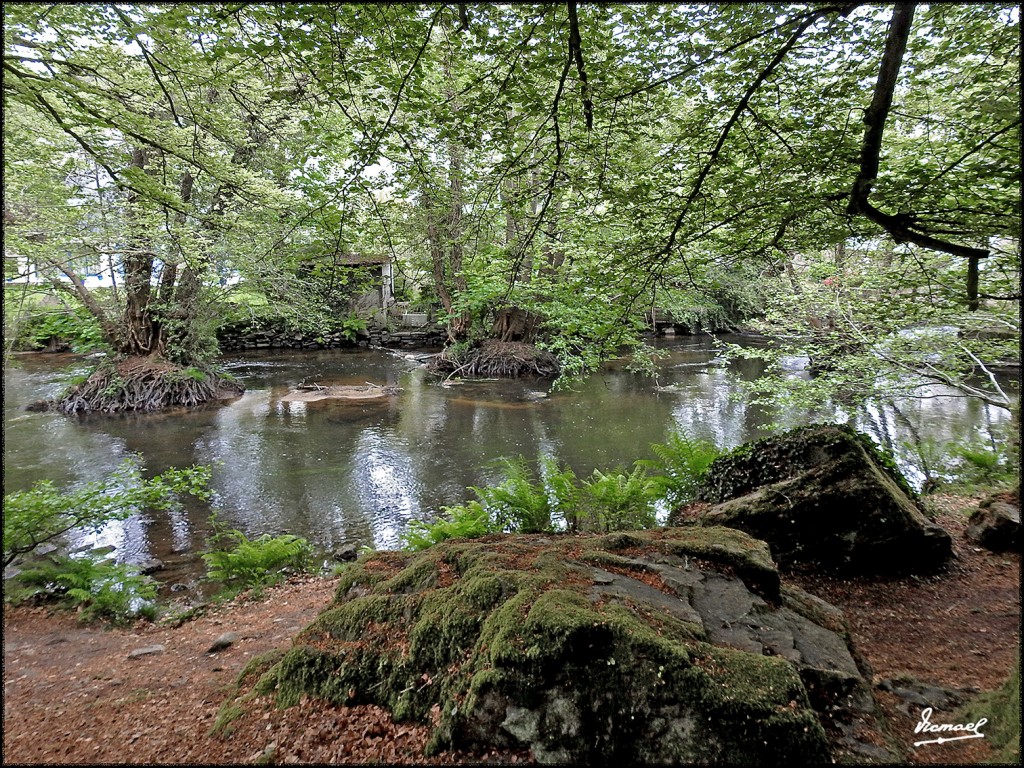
823 495
671 646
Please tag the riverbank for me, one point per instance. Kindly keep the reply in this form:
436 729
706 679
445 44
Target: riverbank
151 693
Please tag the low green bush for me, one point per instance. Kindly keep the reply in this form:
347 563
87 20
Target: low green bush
964 466
552 499
97 587
464 521
240 563
678 467
44 513
617 501
76 327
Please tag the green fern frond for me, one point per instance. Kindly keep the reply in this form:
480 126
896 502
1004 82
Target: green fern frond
679 465
240 563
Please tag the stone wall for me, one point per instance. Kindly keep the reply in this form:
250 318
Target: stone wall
233 338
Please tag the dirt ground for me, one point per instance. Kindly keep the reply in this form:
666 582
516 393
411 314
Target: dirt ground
73 693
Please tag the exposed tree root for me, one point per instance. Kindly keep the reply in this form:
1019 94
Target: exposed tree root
139 384
493 358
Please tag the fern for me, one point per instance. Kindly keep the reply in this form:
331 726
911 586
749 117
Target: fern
680 464
241 563
519 503
562 492
97 587
618 501
467 521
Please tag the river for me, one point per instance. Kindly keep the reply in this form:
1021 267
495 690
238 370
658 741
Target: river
343 473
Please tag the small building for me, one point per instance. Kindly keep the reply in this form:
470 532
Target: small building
379 269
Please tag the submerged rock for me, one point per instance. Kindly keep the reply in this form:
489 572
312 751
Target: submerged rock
670 646
346 393
822 496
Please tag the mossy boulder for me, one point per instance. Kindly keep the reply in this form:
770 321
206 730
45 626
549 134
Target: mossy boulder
669 646
822 496
995 524
1001 708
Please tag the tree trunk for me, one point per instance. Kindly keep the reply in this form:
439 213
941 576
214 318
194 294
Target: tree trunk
437 252
458 327
973 302
138 273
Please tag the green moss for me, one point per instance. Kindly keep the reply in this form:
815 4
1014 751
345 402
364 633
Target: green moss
750 558
501 639
777 457
600 558
356 576
252 673
485 629
226 715
749 681
350 620
486 590
885 459
445 630
816 609
1002 709
421 574
258 666
619 540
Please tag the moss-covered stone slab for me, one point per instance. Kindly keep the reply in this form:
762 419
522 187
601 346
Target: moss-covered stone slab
670 646
823 496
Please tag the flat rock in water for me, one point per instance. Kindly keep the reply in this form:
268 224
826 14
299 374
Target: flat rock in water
672 646
340 392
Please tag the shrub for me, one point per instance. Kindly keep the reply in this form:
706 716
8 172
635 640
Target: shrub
679 465
99 588
964 466
75 327
982 464
519 503
44 512
618 501
352 326
240 563
467 521
553 500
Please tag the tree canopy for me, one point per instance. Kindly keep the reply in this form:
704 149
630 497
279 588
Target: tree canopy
580 163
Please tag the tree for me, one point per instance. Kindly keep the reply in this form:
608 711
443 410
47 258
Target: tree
43 513
182 161
572 166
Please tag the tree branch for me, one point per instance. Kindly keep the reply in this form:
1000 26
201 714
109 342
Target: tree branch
871 147
576 51
727 128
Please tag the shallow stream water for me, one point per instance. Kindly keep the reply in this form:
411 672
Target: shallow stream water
343 473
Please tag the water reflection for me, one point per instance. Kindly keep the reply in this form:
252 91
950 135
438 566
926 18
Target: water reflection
356 473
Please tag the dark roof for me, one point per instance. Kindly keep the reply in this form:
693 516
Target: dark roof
363 259
322 251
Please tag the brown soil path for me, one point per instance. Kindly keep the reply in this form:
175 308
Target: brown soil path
72 694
